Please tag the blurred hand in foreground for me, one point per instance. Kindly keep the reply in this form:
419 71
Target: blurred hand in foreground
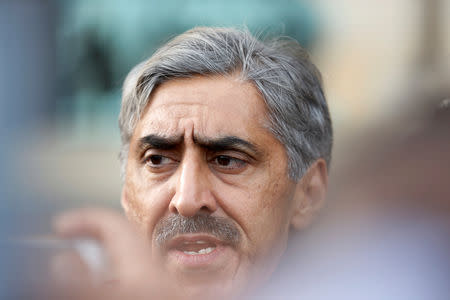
129 272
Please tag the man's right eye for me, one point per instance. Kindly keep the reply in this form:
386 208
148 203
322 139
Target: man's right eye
157 161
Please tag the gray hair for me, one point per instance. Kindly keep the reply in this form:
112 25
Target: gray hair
279 68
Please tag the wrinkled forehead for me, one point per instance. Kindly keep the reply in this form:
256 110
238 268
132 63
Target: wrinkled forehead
204 106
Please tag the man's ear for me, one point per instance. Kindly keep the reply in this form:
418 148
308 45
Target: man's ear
124 200
310 194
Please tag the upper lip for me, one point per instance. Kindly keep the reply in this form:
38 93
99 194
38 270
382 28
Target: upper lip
179 240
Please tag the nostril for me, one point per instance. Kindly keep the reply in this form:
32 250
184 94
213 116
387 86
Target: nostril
192 199
205 208
173 209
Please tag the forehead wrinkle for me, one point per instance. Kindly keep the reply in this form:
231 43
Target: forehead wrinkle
173 102
164 113
190 131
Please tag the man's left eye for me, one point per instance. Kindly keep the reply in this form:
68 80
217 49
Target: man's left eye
228 162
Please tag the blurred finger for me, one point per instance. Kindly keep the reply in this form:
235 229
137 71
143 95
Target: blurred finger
128 251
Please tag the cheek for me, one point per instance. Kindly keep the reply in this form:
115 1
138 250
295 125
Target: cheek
262 210
272 209
271 234
145 203
271 198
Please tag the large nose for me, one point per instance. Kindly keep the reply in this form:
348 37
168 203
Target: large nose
193 191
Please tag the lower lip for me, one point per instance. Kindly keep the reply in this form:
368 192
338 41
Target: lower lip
197 260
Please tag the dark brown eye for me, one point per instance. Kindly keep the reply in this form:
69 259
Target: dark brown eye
156 159
223 160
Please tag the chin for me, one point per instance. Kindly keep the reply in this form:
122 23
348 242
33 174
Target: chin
240 284
208 291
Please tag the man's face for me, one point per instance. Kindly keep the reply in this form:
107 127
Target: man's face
203 148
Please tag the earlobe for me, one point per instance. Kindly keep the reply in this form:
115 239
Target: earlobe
310 195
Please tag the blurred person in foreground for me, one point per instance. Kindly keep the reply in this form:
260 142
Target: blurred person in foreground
226 141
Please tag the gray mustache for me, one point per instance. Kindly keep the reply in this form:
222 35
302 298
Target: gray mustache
221 228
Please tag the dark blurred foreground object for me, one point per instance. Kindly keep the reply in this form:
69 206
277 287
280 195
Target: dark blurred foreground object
386 231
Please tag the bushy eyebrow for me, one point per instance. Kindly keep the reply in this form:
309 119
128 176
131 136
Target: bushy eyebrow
226 143
214 144
160 142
